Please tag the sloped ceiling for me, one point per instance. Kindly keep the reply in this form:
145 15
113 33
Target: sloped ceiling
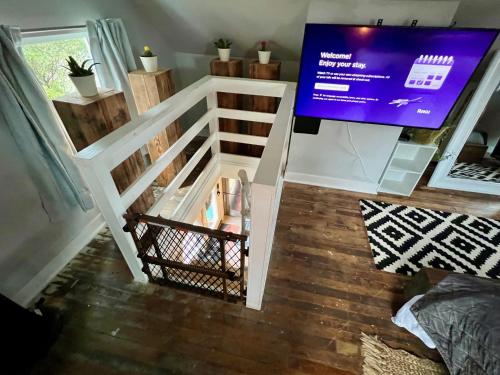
191 26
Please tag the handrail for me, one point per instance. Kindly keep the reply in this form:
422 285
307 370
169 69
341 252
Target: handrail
124 141
269 170
151 172
98 160
245 198
260 87
238 114
114 148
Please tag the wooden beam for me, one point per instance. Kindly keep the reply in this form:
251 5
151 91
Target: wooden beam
150 89
259 103
87 120
231 68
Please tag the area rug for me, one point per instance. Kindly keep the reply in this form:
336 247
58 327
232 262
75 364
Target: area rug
406 239
380 359
474 171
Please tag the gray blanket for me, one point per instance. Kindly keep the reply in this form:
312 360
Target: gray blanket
462 316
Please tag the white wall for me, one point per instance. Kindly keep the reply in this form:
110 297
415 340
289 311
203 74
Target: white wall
28 240
490 121
32 249
330 158
191 26
139 21
181 32
484 13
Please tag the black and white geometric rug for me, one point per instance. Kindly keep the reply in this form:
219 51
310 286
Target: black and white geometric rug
405 239
474 171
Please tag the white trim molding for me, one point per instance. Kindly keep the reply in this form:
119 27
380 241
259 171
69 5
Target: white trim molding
38 283
331 182
440 178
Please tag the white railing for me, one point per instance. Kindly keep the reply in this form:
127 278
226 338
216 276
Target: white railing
245 202
97 161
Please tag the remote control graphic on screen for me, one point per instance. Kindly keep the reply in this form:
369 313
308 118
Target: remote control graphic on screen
429 72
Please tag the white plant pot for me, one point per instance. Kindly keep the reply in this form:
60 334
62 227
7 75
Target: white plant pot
264 57
150 64
224 54
86 85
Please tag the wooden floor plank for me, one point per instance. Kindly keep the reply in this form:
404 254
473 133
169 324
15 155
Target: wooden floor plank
322 291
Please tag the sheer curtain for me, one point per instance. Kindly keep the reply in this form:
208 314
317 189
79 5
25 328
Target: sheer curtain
38 132
110 47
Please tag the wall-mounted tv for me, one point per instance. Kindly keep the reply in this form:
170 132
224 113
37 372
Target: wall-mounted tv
403 76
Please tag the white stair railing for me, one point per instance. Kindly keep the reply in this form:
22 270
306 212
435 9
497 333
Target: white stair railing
98 160
245 202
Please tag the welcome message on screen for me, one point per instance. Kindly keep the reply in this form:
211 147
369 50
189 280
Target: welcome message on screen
394 76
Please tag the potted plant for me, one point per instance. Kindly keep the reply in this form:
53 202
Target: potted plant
82 77
149 60
224 48
264 53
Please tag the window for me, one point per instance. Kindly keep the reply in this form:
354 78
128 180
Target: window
46 52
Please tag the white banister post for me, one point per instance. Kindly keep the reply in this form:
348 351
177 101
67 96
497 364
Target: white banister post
214 122
109 202
262 226
245 199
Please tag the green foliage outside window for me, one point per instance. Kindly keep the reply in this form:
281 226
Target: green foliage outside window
47 59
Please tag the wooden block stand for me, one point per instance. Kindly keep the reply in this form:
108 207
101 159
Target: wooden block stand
231 68
267 104
89 119
150 89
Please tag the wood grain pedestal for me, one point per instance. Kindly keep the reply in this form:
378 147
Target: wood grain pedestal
89 119
150 89
270 71
231 68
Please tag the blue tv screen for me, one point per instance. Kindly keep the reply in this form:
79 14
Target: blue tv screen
403 76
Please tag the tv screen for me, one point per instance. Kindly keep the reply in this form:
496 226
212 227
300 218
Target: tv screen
403 76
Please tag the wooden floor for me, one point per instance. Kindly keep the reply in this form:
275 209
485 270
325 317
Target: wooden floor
322 291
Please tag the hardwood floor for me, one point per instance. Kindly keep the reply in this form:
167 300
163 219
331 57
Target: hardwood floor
322 291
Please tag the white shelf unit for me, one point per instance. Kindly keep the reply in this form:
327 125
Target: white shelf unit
405 168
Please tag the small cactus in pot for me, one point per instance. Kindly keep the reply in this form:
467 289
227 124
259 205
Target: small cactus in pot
82 76
149 60
224 48
264 52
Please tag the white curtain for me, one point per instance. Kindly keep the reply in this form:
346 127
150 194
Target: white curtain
38 131
110 48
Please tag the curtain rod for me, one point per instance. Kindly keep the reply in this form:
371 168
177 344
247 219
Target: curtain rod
40 29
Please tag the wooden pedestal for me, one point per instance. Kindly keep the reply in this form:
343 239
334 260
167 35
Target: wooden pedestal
89 119
268 104
149 89
231 68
